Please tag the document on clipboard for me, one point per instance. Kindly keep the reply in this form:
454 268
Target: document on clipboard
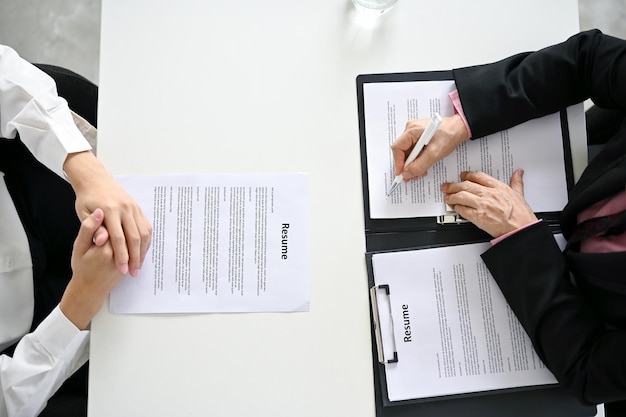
443 327
388 101
463 340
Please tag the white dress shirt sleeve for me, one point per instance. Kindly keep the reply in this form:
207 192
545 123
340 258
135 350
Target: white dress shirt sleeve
30 106
42 361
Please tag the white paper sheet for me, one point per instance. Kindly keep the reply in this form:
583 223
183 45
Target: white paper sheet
453 329
536 146
221 243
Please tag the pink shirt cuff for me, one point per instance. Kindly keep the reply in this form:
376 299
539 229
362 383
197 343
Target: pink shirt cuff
512 232
458 108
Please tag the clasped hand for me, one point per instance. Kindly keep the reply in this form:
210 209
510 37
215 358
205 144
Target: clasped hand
125 224
94 273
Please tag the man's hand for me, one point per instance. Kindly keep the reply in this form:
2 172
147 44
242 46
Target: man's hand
125 224
490 204
94 274
450 134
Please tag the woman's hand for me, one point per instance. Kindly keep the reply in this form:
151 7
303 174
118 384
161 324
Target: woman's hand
450 134
125 225
490 204
94 274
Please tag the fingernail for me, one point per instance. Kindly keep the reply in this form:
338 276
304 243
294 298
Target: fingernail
406 175
123 268
134 272
97 214
444 187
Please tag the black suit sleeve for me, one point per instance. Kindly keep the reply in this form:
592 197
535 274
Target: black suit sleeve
530 85
584 356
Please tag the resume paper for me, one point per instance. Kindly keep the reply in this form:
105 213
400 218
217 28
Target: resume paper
220 243
450 326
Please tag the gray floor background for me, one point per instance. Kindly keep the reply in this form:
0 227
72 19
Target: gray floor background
58 32
67 32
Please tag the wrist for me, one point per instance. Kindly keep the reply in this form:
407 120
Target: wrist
457 129
81 168
79 305
514 227
500 238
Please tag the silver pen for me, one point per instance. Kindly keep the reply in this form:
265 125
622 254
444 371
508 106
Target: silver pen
427 135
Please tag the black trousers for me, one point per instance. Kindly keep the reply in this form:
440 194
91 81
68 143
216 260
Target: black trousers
45 205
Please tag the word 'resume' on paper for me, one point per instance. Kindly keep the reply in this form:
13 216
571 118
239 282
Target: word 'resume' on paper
221 243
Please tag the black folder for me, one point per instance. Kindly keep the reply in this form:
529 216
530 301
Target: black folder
386 234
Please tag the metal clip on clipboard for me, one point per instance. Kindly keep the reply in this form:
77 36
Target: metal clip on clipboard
383 324
451 217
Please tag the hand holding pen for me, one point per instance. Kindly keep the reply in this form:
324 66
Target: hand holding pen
450 134
425 137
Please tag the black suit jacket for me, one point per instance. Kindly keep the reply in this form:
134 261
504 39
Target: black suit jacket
578 327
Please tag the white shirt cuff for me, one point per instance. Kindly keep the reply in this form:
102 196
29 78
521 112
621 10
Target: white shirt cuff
56 332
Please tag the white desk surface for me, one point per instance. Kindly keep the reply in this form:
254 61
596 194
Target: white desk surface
258 86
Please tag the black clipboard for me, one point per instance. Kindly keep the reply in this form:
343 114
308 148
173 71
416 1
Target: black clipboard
417 233
399 233
537 401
